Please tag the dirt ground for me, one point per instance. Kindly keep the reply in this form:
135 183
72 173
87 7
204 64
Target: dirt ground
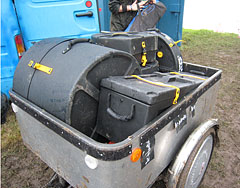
20 168
223 52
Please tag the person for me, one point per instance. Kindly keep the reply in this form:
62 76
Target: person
123 11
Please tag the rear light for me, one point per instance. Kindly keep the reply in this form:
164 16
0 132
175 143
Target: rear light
19 45
88 4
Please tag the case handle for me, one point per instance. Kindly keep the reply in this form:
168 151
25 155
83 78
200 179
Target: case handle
74 41
118 116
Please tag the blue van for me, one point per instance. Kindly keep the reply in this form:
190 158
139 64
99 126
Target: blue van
35 20
40 19
11 44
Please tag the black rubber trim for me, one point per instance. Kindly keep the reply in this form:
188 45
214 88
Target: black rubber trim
105 155
172 115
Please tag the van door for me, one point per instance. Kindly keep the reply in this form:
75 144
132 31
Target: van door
40 19
171 22
9 55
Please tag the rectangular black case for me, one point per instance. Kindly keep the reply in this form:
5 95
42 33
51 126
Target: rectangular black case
130 42
127 103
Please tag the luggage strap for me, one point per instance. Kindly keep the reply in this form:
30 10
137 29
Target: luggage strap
40 67
188 75
175 43
161 84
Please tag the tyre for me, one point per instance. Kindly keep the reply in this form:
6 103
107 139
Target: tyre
57 181
4 107
197 163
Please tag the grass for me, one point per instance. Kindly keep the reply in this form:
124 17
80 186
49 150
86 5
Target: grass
222 51
208 41
19 166
11 146
11 141
203 46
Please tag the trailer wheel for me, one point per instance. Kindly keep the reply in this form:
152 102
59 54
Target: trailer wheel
57 181
197 163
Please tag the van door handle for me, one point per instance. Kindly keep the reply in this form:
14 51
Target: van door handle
89 13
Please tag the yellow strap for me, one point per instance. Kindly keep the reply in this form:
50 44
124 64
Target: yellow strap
188 75
161 84
171 44
40 67
178 41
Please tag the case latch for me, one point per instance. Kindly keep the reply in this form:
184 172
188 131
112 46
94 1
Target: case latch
40 67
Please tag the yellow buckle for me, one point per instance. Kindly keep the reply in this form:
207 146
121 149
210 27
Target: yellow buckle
40 67
144 56
144 60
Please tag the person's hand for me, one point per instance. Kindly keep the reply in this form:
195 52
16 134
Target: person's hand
152 1
141 5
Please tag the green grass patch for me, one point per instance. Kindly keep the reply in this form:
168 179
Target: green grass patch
11 141
208 40
205 45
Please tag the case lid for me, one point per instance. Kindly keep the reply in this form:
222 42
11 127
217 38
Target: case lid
149 92
128 42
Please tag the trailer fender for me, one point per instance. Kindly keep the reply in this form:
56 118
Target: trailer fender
182 158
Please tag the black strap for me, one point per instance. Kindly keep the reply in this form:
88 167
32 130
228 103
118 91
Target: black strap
124 8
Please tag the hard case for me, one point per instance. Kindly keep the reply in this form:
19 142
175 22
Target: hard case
71 91
168 56
127 104
130 42
162 53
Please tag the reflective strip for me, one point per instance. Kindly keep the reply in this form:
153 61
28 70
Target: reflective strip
161 84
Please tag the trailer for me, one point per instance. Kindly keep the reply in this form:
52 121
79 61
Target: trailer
176 144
